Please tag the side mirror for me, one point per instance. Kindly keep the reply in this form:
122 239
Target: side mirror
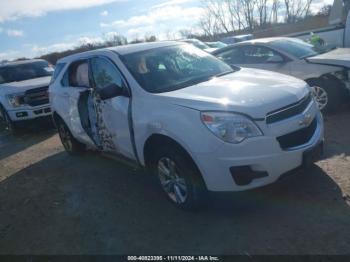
275 59
110 91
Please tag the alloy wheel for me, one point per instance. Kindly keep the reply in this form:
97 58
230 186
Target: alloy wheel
321 97
172 183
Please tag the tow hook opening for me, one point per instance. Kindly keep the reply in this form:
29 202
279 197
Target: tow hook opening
244 175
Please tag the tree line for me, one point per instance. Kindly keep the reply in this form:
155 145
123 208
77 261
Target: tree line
225 16
115 40
220 17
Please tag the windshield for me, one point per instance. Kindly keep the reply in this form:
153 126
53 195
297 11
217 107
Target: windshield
296 48
21 72
174 67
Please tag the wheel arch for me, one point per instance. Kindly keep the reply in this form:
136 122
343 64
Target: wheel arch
325 77
156 140
56 118
330 79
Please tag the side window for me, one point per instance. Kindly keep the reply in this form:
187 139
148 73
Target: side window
232 56
77 75
258 54
105 73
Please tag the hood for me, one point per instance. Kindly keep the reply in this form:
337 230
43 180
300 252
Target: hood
249 91
22 86
337 57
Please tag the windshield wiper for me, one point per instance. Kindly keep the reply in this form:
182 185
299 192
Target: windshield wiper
225 73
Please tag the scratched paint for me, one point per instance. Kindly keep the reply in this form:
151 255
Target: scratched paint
105 137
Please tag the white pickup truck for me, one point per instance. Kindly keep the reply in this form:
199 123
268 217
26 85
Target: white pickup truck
195 122
337 33
24 92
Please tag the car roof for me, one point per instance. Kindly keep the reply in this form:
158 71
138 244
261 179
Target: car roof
121 50
21 62
266 40
239 36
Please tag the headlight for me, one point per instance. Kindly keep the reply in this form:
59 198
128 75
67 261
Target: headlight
230 127
16 100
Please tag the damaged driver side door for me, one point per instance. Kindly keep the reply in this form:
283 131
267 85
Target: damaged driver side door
111 99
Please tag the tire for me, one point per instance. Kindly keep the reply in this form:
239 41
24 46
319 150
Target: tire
179 177
70 144
9 124
327 94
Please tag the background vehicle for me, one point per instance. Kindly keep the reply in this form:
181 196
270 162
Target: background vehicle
216 44
326 71
199 44
24 91
230 40
196 123
337 33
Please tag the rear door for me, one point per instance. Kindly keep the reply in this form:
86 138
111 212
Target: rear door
113 113
72 92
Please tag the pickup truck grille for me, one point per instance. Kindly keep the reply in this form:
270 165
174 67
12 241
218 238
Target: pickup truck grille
288 111
37 96
299 137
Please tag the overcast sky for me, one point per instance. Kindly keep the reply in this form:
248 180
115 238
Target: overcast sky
34 27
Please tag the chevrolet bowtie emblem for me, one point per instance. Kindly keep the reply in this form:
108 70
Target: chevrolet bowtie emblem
306 121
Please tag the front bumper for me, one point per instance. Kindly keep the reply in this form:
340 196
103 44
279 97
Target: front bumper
29 113
262 155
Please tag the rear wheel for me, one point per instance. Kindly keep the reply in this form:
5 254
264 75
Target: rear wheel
326 93
179 178
70 144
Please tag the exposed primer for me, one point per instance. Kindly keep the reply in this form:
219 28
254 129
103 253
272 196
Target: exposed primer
104 137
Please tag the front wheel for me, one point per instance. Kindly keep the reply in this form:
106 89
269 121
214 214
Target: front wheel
326 93
9 124
70 144
179 178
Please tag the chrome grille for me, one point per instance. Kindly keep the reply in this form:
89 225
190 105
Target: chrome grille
37 96
289 111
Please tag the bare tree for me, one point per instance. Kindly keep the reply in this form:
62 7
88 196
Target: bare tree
114 40
276 5
296 9
186 33
150 38
248 12
208 24
221 16
325 10
225 16
262 9
219 19
170 35
235 11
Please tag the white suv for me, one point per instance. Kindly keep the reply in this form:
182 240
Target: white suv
195 122
24 92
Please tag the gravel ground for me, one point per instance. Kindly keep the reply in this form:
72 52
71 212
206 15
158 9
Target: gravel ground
53 203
